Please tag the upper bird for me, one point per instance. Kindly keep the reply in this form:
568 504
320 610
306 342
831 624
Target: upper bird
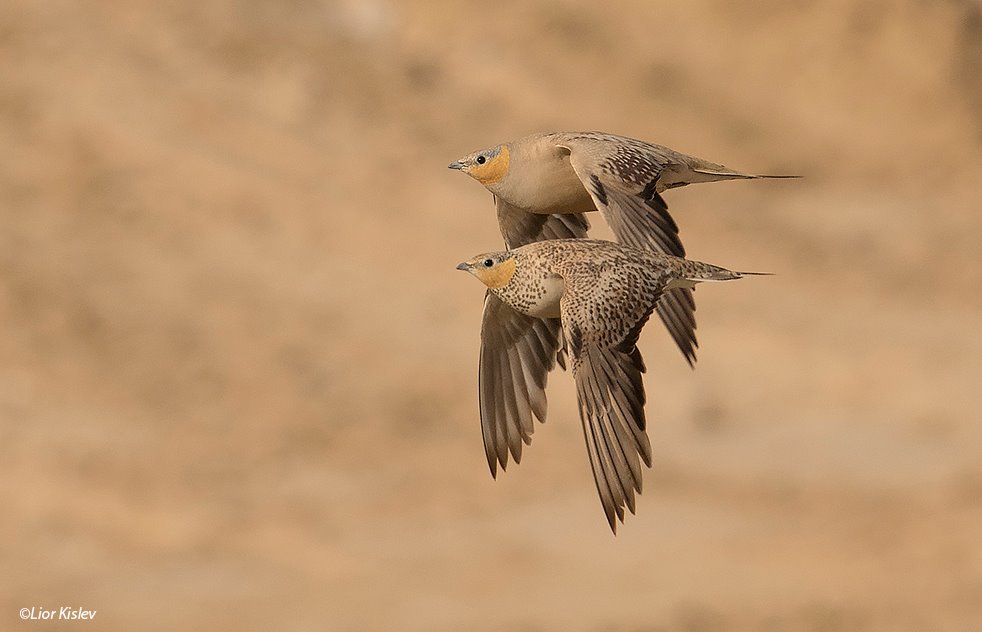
600 294
542 185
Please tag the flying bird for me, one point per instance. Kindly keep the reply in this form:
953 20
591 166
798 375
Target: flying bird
544 183
599 294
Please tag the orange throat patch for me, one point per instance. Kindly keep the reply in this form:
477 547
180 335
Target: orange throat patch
498 276
494 170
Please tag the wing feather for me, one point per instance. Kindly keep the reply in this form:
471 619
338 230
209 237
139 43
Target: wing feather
607 368
638 215
517 353
520 227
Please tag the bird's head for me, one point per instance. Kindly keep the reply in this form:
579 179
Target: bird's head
487 166
493 269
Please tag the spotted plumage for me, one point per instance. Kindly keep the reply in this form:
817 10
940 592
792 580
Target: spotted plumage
571 173
599 294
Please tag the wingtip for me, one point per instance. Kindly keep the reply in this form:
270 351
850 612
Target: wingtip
690 358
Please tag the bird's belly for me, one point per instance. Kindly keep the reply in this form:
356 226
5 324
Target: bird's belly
556 189
544 303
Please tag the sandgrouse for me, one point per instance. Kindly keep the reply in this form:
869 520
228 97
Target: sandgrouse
599 294
542 185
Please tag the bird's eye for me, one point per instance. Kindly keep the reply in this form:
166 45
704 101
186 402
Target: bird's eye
488 263
481 160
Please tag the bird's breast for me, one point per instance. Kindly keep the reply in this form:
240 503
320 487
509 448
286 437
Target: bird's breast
540 299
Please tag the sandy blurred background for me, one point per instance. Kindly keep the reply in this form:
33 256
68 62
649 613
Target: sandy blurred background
238 368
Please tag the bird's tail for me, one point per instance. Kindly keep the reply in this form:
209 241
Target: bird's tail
693 272
691 170
702 174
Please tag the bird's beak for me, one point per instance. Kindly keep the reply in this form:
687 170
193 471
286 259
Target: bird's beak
456 164
463 266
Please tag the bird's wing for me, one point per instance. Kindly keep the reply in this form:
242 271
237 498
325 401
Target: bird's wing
623 178
518 351
607 368
520 227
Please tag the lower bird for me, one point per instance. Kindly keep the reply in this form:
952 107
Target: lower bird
599 294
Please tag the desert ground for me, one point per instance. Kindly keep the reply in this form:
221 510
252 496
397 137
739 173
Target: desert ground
238 370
